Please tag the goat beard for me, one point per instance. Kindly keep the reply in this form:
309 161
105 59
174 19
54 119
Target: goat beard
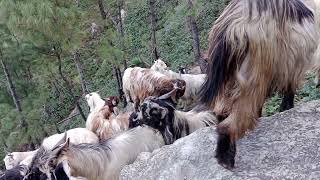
168 136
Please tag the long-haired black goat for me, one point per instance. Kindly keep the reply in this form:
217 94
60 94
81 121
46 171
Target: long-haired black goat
255 47
159 113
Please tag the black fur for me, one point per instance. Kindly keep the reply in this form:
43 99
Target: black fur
134 121
287 101
12 174
226 151
217 69
59 174
295 10
153 119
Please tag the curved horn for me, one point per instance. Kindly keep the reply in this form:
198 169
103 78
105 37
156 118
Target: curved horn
169 94
63 140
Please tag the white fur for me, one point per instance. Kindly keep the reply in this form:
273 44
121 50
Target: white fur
195 120
105 160
130 81
13 159
77 136
95 103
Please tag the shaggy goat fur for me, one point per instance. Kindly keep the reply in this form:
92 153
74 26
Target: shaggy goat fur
95 103
13 159
140 83
112 102
107 126
255 47
194 83
315 6
173 124
106 121
76 135
16 173
105 160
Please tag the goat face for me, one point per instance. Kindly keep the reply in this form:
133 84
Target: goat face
180 85
92 100
159 65
158 114
112 101
9 161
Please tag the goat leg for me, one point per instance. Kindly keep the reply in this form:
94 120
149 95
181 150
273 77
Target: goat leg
287 101
226 149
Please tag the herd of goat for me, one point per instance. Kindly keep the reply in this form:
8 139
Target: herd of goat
256 47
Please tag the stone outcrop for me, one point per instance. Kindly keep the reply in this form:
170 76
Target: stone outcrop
283 146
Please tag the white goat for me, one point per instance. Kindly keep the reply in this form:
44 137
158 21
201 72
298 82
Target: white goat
105 160
77 136
95 104
193 82
14 158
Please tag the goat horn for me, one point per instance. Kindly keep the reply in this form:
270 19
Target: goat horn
63 140
169 94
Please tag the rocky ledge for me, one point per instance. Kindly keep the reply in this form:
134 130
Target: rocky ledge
283 146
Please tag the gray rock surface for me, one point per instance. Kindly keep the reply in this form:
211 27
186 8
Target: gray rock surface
284 146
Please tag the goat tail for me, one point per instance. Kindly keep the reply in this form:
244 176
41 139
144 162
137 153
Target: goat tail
226 50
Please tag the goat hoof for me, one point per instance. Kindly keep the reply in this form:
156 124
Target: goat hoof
226 151
226 162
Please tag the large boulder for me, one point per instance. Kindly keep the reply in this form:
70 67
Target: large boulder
284 146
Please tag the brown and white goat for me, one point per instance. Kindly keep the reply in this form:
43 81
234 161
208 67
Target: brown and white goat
105 126
194 83
104 160
173 124
140 83
112 102
255 47
107 121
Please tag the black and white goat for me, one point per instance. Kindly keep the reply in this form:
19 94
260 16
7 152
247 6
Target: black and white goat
173 124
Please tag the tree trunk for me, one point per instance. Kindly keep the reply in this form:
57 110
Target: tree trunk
194 33
153 23
122 35
77 62
118 77
101 9
13 91
68 85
